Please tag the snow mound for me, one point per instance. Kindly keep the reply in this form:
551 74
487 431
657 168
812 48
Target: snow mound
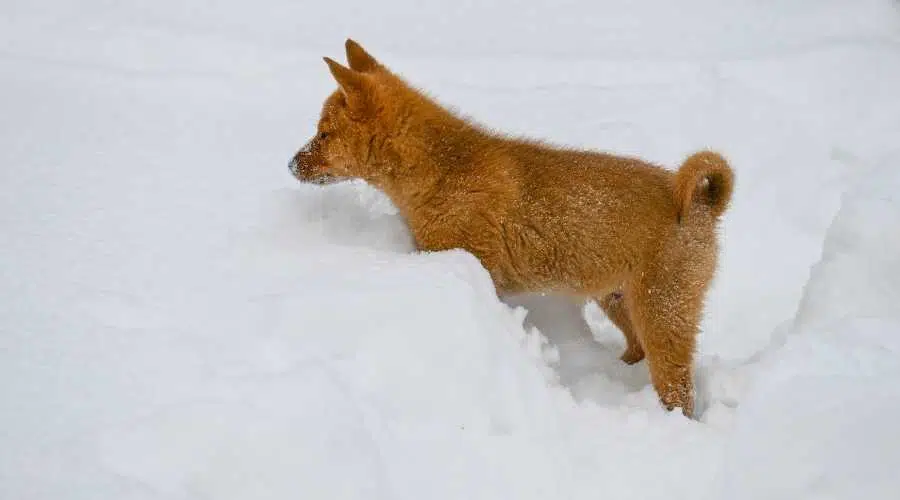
401 392
820 420
860 266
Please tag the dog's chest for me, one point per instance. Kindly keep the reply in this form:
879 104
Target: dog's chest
444 227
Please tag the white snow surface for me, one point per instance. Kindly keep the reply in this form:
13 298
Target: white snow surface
180 319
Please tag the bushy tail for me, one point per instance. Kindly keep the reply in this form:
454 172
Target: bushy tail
704 181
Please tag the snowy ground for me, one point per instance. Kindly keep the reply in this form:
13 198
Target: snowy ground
180 319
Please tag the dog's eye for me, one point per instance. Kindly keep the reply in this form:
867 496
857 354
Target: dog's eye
323 135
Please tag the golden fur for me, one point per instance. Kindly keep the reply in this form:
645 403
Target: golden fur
639 239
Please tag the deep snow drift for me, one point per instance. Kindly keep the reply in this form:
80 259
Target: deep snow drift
181 319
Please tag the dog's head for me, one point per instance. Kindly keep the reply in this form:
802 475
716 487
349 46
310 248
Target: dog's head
353 138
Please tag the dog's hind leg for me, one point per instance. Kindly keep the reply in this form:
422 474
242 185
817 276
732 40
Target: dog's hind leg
666 301
616 310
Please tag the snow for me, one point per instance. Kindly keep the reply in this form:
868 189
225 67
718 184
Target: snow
180 319
824 398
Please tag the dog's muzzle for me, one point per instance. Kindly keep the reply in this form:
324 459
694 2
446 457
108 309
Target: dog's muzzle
294 165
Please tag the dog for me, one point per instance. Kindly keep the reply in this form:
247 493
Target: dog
637 238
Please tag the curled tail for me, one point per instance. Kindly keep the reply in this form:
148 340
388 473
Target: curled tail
704 181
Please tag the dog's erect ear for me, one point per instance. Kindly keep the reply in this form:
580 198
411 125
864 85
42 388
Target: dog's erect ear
359 59
353 84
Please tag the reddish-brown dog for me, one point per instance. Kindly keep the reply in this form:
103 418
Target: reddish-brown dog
639 239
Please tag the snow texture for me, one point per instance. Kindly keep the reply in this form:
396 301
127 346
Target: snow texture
180 319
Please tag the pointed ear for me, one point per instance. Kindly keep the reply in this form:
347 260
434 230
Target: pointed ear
359 59
353 84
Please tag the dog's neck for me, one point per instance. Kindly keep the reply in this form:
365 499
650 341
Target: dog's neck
440 151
